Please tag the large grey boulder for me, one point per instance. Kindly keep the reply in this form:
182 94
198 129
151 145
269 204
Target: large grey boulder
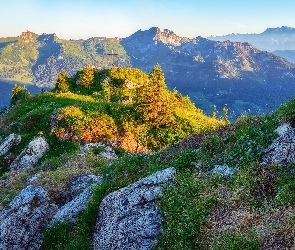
31 154
24 220
130 218
282 149
81 190
9 142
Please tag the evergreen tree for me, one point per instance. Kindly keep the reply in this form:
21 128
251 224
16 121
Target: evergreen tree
62 83
19 93
87 76
153 99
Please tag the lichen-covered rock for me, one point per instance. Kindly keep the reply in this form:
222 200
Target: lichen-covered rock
9 142
107 152
223 170
31 154
282 150
79 183
130 218
24 220
70 211
284 128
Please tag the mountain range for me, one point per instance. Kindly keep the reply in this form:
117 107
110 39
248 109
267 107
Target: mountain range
210 72
280 41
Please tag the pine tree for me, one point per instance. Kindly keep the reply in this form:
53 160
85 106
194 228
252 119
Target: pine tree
19 93
153 99
87 76
62 83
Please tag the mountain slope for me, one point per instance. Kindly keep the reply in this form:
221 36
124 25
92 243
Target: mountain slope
281 38
224 196
215 73
209 72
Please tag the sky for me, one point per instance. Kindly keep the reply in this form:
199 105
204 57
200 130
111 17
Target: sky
75 19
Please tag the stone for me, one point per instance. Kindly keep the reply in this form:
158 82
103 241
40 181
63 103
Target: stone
107 151
24 220
282 149
80 183
9 142
223 170
31 154
109 154
81 191
130 218
284 128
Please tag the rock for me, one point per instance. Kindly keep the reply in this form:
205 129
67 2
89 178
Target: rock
282 150
107 152
88 146
31 154
284 128
70 211
24 220
33 178
130 218
223 170
79 183
9 142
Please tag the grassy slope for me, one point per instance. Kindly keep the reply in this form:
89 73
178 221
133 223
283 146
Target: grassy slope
254 209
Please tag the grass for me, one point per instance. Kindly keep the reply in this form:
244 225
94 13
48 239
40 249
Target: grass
252 209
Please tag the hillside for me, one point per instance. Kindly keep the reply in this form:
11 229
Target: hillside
215 73
211 73
221 186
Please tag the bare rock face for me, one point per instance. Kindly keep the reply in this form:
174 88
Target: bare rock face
24 220
130 218
81 190
9 142
282 150
31 154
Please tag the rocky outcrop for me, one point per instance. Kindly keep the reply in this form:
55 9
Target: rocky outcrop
282 150
9 142
223 170
129 218
24 220
107 152
80 183
31 154
81 190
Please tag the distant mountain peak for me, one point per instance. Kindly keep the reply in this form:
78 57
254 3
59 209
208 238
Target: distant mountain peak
28 36
168 37
279 30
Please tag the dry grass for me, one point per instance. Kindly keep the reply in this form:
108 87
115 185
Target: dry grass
274 227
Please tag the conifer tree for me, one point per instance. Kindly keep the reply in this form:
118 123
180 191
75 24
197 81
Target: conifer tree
153 99
62 83
87 76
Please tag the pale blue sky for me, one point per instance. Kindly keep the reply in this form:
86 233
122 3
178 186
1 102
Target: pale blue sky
89 18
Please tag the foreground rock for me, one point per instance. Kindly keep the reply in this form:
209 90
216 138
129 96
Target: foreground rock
81 191
107 152
129 218
223 170
9 142
282 150
24 220
31 154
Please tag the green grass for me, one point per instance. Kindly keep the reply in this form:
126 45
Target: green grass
191 207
